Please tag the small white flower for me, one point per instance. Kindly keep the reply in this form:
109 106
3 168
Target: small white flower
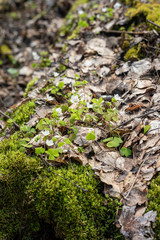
104 9
75 148
45 132
117 97
49 142
49 98
35 56
57 136
89 105
59 111
65 151
56 74
74 99
117 5
80 12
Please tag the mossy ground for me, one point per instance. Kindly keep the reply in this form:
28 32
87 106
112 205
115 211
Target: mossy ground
32 198
149 11
23 113
154 202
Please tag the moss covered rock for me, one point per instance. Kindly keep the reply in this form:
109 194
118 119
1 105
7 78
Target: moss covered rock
154 202
31 198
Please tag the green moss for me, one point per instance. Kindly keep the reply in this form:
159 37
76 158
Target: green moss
61 68
137 52
77 30
77 3
23 113
75 33
31 198
17 214
64 48
151 11
154 202
125 44
29 86
70 19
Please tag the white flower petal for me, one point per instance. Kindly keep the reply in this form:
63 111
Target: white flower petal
49 142
49 98
45 132
74 99
117 97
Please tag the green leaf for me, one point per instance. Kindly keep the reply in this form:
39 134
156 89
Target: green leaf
146 128
107 139
114 100
54 152
60 144
13 71
126 151
61 85
91 136
114 142
67 141
39 150
51 157
62 123
94 100
54 139
115 118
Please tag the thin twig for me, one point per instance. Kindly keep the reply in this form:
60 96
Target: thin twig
136 176
130 120
119 32
16 125
153 23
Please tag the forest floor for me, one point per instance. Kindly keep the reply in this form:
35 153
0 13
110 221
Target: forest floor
109 62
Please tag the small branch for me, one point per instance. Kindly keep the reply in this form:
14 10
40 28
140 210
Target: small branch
136 176
153 23
119 32
130 120
15 124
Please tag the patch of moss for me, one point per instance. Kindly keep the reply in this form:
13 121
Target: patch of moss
29 86
77 30
125 44
137 52
77 3
61 68
31 198
23 113
154 203
151 11
70 18
18 219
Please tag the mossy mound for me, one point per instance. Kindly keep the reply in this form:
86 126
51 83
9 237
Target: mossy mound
150 11
33 199
154 202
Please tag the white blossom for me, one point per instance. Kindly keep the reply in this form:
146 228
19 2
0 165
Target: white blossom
56 74
74 99
104 9
117 97
117 5
49 98
35 56
59 111
89 105
45 132
65 151
49 142
80 12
